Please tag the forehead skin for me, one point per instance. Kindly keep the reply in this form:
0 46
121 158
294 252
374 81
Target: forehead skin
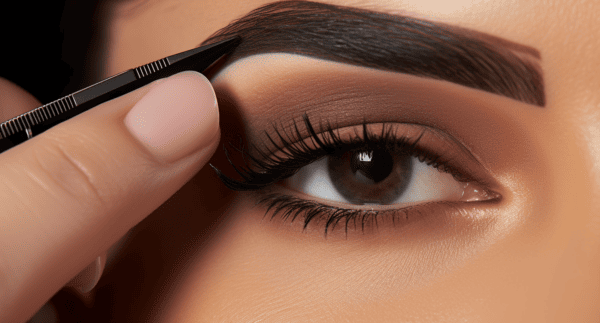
541 266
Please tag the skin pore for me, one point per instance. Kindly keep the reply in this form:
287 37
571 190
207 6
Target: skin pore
209 254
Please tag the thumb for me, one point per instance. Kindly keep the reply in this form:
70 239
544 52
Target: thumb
71 192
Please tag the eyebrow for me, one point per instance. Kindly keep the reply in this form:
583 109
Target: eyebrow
390 42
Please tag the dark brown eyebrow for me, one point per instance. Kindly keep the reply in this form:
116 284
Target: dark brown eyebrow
390 42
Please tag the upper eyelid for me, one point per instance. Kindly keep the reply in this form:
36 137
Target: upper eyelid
341 94
299 138
389 98
474 171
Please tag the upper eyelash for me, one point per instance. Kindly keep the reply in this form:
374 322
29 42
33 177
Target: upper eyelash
269 168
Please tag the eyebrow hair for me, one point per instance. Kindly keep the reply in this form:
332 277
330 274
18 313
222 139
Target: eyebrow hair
390 42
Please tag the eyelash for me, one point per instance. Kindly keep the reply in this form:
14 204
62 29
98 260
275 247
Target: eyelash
290 207
270 168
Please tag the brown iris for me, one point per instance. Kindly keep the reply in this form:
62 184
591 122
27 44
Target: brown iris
370 176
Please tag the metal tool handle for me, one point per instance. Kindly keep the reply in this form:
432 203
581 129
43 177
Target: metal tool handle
38 120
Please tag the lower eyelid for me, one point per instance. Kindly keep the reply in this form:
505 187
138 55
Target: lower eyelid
439 218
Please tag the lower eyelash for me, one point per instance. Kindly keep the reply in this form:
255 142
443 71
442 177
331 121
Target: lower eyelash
290 208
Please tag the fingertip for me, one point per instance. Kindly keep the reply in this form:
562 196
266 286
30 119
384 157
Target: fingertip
177 117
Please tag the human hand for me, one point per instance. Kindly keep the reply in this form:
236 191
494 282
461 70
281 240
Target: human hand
71 192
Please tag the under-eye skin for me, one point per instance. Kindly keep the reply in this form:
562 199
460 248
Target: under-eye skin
363 174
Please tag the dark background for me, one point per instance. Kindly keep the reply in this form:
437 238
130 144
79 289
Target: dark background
46 45
47 48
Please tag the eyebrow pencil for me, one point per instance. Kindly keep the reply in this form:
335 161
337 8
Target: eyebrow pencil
23 127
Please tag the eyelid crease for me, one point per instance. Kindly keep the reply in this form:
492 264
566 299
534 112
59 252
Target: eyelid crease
277 161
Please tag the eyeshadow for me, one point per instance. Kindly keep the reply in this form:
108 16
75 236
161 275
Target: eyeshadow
265 92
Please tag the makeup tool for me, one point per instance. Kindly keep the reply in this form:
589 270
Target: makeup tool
23 127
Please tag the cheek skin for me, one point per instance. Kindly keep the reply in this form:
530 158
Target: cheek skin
256 269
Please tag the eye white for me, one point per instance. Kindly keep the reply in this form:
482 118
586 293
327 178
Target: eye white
427 184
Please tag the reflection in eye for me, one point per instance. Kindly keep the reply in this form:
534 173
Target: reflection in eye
386 169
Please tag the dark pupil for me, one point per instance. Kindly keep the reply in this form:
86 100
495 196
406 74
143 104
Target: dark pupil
375 165
377 176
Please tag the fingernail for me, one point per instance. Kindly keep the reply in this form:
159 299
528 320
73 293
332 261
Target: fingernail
86 280
176 117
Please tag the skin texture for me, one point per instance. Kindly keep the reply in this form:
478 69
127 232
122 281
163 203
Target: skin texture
208 254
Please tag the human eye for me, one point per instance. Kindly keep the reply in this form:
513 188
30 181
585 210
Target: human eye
354 176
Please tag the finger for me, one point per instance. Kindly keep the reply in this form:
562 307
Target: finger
71 192
14 100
